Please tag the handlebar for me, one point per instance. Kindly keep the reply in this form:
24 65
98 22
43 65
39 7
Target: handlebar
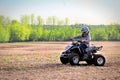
99 48
76 41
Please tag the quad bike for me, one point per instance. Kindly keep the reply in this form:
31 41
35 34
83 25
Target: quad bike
73 55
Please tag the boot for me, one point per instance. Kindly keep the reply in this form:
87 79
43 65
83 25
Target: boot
89 53
85 57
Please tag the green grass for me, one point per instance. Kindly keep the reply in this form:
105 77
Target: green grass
7 58
118 56
48 59
55 57
36 58
17 58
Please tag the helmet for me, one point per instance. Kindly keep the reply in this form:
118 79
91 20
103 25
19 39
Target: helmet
85 29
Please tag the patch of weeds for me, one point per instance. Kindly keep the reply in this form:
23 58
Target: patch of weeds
22 65
17 58
48 59
7 59
36 58
55 57
57 54
51 59
118 57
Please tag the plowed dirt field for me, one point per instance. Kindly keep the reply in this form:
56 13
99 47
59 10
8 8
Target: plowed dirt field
40 61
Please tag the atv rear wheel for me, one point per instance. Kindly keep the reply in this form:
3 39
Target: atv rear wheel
99 60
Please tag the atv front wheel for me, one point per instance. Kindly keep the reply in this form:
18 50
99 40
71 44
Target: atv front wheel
99 60
74 59
64 60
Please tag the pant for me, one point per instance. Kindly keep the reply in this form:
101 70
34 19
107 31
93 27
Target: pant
82 48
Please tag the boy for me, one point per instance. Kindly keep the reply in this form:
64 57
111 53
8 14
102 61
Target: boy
85 40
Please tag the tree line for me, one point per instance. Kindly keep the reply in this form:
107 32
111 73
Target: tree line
31 28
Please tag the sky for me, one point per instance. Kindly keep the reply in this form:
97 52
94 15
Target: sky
78 11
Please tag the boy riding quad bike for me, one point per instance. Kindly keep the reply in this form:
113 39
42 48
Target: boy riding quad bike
80 50
85 39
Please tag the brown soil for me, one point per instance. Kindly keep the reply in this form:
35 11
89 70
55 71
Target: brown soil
40 61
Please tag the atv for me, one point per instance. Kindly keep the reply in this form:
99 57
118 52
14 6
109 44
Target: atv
73 55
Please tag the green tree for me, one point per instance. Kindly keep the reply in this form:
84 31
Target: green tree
36 33
4 34
19 32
